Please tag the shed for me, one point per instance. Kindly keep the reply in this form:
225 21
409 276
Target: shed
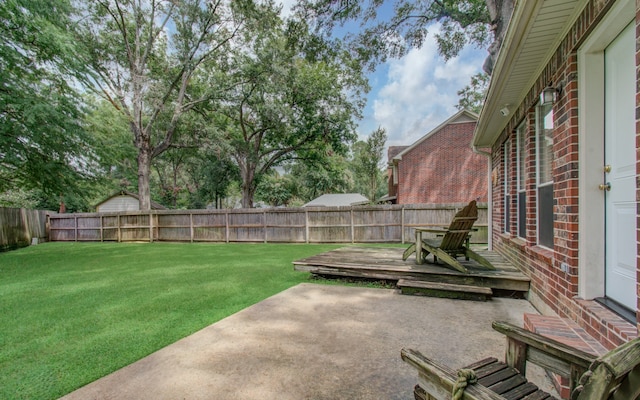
124 201
338 200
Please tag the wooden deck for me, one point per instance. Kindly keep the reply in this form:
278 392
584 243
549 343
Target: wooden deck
387 264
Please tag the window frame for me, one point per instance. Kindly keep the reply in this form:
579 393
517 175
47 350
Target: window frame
521 186
507 194
544 187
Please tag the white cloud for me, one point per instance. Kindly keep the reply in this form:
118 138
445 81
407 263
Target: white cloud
418 92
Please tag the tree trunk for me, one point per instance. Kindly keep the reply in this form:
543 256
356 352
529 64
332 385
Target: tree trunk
500 12
247 171
144 170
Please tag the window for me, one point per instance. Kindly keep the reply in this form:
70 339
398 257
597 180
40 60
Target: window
507 195
544 132
520 181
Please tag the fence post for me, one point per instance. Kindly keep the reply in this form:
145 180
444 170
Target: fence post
402 224
150 227
264 225
306 225
75 230
226 227
191 226
119 233
353 234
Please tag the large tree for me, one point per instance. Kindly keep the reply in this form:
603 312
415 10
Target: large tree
482 23
292 102
43 142
146 55
368 163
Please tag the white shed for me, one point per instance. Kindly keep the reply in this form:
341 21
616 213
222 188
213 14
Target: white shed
338 200
124 201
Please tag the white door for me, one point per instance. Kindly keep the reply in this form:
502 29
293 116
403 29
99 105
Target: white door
620 155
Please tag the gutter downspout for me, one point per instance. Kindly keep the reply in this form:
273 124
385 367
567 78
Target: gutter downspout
489 196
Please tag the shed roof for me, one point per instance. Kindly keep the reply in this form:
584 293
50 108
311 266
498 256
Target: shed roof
535 31
338 199
154 205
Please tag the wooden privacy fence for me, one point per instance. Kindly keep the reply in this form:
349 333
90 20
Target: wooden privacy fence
361 224
19 226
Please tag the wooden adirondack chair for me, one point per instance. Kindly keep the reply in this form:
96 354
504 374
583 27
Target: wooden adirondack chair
615 375
453 243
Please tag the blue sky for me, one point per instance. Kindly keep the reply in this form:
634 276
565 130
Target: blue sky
414 94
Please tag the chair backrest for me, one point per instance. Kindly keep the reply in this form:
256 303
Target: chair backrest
615 375
460 227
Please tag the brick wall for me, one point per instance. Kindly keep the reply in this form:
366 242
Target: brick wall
443 169
554 272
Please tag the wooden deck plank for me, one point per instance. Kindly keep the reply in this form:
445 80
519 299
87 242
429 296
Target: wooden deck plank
387 263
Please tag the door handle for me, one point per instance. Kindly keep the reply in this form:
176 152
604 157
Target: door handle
605 186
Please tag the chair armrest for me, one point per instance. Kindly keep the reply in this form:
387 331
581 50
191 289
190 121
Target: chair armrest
438 380
523 345
432 230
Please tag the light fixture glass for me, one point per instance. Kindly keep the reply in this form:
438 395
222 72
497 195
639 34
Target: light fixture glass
549 95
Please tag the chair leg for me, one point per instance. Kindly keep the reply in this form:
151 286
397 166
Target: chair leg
479 259
447 259
410 250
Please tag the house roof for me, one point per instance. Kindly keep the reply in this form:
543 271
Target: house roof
338 199
460 117
395 150
535 31
154 205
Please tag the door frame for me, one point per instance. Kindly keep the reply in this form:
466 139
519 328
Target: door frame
591 218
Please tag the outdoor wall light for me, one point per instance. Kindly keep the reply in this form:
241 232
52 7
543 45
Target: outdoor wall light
550 95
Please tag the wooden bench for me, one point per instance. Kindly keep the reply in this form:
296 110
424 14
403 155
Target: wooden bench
615 375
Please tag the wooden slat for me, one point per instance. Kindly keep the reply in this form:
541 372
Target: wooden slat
498 376
482 363
444 286
520 391
489 370
508 384
539 395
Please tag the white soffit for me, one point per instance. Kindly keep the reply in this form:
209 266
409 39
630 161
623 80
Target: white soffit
536 30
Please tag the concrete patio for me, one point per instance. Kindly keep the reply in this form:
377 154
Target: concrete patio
315 342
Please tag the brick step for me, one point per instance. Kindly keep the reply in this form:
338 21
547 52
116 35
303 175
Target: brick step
446 290
564 331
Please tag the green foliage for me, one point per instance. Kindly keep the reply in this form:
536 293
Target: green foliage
43 143
157 60
276 190
65 324
116 154
368 165
463 22
287 105
472 96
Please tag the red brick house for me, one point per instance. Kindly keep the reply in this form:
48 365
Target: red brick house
441 167
561 122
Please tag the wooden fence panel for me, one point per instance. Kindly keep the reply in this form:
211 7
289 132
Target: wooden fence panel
19 226
173 227
377 224
247 226
330 225
385 223
210 227
286 225
62 229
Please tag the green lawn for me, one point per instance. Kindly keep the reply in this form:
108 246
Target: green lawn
71 313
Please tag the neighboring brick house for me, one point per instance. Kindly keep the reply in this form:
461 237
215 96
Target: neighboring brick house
441 167
565 169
